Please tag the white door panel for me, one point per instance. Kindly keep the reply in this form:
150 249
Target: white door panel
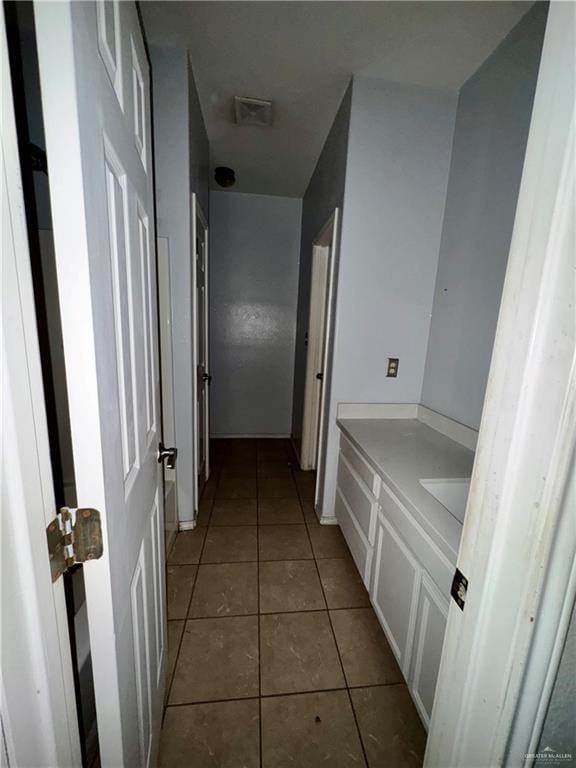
95 90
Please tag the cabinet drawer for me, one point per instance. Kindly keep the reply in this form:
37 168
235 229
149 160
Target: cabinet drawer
360 501
357 543
360 466
440 569
429 639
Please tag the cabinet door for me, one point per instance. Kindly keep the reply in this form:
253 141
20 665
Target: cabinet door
395 586
430 629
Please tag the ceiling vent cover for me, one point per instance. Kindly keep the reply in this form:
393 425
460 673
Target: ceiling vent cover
252 111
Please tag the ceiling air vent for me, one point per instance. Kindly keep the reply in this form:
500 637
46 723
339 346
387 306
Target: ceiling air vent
252 111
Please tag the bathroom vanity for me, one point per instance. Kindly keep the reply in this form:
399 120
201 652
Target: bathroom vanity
400 502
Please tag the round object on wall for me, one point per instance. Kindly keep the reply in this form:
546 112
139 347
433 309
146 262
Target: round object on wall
224 177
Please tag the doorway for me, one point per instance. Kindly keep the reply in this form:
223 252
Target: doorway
318 341
200 335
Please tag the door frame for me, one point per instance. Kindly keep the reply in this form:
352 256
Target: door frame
198 215
315 416
37 683
501 652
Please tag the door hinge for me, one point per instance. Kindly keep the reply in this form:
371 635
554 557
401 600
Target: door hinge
459 588
74 536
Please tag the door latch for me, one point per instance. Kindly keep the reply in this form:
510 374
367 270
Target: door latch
73 536
169 455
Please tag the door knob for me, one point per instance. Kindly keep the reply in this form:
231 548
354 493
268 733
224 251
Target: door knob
169 455
207 377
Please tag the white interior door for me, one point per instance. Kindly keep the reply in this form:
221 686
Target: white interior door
202 382
38 721
94 77
167 376
315 356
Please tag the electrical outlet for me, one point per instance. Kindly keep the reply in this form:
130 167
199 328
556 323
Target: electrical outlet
392 371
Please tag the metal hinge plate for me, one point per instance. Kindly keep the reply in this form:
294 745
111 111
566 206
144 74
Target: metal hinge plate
459 589
74 536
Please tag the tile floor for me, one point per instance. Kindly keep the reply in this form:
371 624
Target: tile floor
275 655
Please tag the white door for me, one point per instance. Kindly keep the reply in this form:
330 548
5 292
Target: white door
315 356
95 80
203 378
167 376
38 722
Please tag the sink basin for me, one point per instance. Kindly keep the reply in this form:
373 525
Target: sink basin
452 493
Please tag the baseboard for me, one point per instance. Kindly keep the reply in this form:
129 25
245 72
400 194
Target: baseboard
186 525
255 436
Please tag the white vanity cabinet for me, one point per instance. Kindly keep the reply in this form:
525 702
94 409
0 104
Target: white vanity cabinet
357 506
406 573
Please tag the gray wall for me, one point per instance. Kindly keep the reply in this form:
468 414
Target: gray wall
396 181
181 167
324 193
493 118
254 254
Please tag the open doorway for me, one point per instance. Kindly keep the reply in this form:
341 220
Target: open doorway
318 341
200 335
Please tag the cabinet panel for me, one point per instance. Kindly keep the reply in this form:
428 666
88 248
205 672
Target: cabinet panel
395 588
360 466
359 548
361 502
429 638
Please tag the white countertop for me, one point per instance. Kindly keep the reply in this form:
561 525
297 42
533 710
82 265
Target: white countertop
401 452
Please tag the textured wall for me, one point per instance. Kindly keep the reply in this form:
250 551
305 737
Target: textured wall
492 123
254 254
181 167
324 193
396 181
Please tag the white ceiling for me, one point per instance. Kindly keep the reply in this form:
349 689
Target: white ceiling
301 56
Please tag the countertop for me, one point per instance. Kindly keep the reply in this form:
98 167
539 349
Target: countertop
401 452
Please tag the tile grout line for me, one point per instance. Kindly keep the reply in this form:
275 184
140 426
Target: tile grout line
339 655
282 695
194 582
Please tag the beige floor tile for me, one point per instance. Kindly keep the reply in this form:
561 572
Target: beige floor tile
238 469
390 727
306 484
230 544
275 470
204 512
290 585
179 583
342 584
240 450
277 488
237 488
225 589
175 629
187 547
310 730
210 488
218 660
279 511
284 542
327 541
309 513
365 653
234 512
298 653
220 735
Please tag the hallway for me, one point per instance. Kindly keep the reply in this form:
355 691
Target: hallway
275 655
